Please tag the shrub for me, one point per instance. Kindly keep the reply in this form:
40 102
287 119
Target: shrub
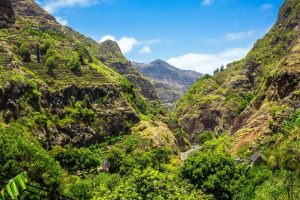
81 112
215 173
292 123
24 52
205 136
50 53
247 98
74 63
44 48
51 64
81 159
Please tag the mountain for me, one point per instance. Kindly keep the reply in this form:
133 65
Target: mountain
111 55
256 100
170 82
77 121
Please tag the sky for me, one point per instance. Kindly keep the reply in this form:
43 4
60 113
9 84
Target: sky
199 35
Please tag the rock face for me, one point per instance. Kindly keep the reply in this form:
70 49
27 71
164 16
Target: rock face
65 107
170 82
7 16
242 99
111 55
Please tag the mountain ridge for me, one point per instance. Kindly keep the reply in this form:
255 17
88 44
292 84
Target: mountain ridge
241 99
169 81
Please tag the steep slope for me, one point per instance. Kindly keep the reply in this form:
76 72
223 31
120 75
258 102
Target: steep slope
170 82
51 79
253 99
111 55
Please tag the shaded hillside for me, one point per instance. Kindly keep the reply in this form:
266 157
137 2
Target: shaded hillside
170 82
253 98
111 55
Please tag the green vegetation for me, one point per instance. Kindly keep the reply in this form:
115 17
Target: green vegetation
76 160
24 52
216 174
14 187
75 62
292 123
51 64
204 137
79 128
244 102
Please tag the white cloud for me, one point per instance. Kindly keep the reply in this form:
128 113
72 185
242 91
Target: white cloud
266 6
207 2
207 63
127 44
54 5
239 35
231 37
145 50
107 37
62 21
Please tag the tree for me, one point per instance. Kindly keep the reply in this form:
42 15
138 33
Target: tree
222 68
14 187
215 173
205 136
216 71
51 64
24 52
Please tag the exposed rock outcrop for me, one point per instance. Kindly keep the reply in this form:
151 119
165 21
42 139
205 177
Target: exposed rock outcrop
111 55
246 94
7 15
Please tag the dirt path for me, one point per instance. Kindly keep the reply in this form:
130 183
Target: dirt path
187 153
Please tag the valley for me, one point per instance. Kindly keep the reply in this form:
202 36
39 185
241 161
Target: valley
78 120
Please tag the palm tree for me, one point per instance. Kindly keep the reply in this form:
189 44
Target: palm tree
14 187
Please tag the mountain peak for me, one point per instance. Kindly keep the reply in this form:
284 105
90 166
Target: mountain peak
169 81
110 49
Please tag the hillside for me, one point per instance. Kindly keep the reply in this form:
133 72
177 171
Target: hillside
256 100
78 121
112 56
58 91
170 82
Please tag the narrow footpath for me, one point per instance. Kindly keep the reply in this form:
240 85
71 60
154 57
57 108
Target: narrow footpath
187 153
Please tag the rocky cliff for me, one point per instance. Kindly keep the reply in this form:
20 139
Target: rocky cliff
53 78
6 13
170 82
254 97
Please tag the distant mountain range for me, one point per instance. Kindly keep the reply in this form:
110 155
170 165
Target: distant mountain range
170 82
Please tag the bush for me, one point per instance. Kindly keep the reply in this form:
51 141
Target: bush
205 136
80 112
44 48
81 159
247 98
24 52
20 153
215 173
292 123
51 64
74 63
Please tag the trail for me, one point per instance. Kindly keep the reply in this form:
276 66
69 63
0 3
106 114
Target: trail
187 153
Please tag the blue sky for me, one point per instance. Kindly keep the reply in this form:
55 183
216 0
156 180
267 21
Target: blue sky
190 34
